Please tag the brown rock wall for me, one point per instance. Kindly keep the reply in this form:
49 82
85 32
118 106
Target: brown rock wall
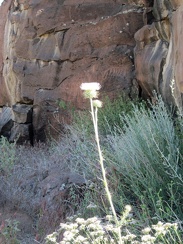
177 33
4 96
50 47
54 46
159 53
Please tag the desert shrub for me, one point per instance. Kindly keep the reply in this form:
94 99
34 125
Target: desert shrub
7 155
146 154
78 145
78 151
142 150
9 231
108 117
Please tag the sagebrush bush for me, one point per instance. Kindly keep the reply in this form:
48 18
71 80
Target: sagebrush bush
143 156
9 231
108 116
7 155
146 154
78 151
142 148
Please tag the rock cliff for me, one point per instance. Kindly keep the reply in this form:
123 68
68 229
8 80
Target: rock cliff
159 53
49 47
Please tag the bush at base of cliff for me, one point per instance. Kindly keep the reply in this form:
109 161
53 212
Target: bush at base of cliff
144 165
148 158
7 155
108 117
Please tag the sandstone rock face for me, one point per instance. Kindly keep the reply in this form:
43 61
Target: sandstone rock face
159 53
6 122
4 96
50 47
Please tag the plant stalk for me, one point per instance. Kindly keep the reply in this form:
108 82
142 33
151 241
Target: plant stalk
101 160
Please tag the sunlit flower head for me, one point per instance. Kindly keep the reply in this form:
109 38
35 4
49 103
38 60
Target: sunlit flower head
97 103
92 86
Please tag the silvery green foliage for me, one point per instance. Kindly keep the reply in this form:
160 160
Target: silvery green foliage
7 155
146 152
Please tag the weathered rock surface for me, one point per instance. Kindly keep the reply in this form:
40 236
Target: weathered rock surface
48 48
52 47
22 113
16 123
6 122
4 10
21 133
159 53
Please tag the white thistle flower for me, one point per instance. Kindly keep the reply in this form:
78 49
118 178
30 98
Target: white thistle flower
92 86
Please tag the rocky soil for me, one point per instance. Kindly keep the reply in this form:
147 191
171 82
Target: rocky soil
37 194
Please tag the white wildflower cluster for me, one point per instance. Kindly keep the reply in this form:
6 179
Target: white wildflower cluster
52 238
104 231
148 239
172 86
146 231
162 229
92 230
156 232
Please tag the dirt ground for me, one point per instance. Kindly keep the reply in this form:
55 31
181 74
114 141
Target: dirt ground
26 233
36 194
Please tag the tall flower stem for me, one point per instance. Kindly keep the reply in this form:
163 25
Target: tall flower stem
94 113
